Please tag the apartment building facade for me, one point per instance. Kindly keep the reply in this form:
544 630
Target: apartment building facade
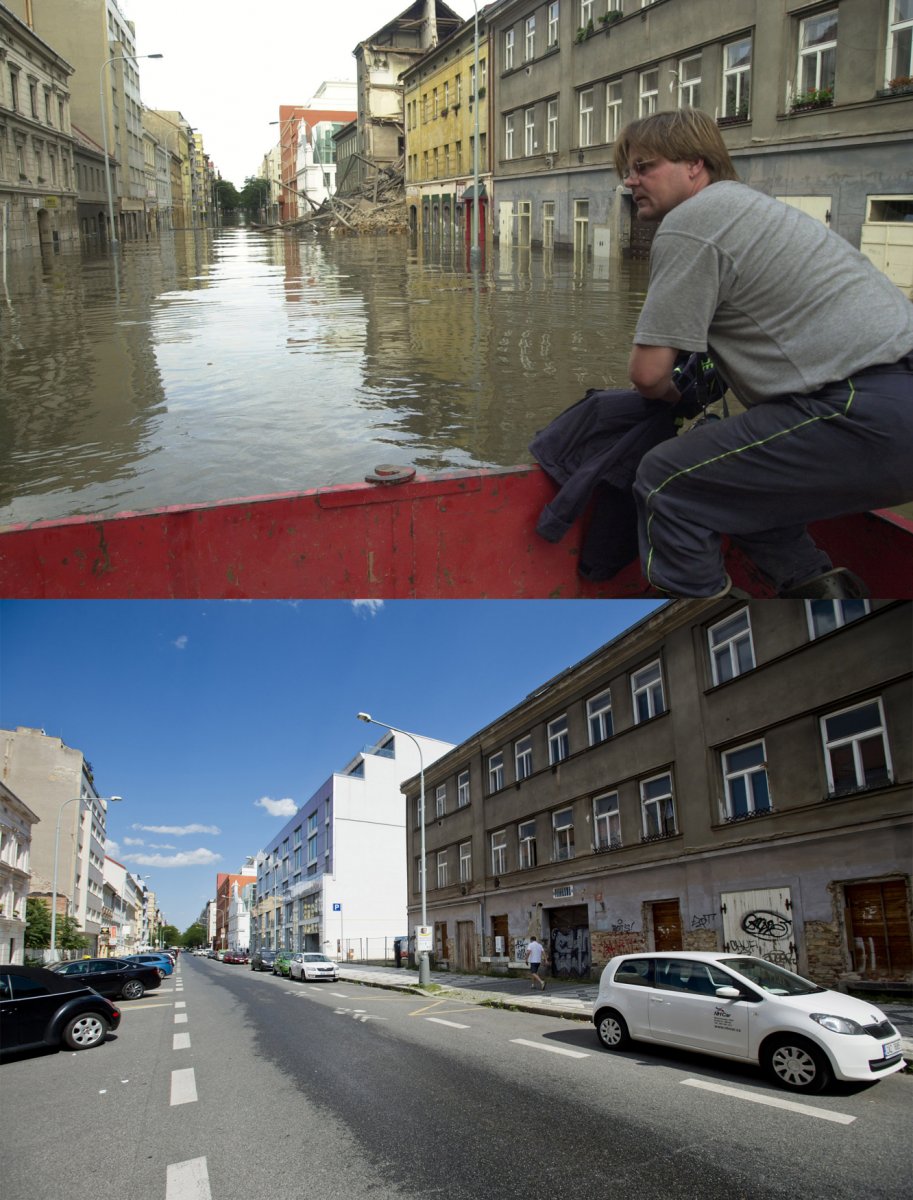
723 775
56 782
334 878
16 823
815 102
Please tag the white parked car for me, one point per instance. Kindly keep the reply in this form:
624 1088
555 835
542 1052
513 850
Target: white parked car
313 966
748 1009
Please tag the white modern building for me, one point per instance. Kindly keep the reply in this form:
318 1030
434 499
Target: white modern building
239 906
334 878
16 821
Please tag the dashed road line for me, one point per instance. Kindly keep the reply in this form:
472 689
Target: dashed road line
188 1181
181 1041
183 1086
808 1110
452 1024
180 1018
550 1049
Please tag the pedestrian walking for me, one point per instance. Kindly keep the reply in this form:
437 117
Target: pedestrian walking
814 340
535 956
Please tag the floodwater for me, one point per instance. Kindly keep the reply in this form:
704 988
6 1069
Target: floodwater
205 366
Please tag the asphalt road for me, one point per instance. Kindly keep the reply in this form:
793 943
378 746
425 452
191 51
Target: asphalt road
228 1084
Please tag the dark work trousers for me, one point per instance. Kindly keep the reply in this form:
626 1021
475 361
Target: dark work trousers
761 476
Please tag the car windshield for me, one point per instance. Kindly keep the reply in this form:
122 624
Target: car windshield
771 978
318 958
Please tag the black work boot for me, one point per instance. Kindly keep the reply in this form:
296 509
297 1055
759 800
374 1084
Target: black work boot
839 584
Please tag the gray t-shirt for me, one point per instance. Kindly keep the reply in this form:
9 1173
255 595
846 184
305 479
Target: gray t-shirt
782 303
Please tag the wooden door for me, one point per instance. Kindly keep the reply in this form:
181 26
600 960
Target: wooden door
667 925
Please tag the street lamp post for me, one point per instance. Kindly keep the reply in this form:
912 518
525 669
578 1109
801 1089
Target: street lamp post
72 800
104 128
424 967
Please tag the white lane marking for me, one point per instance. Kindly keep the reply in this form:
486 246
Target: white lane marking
181 1041
823 1114
551 1049
183 1086
441 1021
188 1181
180 1018
339 995
180 1004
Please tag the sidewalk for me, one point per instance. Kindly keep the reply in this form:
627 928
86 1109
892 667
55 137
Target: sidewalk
572 1000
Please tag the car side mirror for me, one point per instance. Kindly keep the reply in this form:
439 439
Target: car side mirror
728 992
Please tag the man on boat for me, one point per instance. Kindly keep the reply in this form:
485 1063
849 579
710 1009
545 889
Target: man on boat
811 338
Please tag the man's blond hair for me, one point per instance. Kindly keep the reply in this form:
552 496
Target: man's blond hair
684 135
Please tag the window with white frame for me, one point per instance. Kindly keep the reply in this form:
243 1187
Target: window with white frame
508 49
585 129
443 873
563 834
462 789
824 616
647 693
649 92
731 649
607 822
613 110
689 82
523 756
900 41
465 862
745 779
551 127
526 838
599 717
440 800
586 13
529 50
856 748
558 743
509 136
418 812
529 132
737 78
548 224
499 852
817 53
312 850
496 772
552 33
658 807
420 871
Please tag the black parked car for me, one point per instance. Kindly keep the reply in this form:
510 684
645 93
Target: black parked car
112 976
41 1008
262 960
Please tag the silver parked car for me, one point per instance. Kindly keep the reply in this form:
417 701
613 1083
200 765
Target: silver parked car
308 965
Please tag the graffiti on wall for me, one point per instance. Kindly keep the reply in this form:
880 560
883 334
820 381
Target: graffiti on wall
570 951
606 944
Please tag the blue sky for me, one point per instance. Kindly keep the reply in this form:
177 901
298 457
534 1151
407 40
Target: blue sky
212 718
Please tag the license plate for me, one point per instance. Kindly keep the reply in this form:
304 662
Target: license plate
889 1049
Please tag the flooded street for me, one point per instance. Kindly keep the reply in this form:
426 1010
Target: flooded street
208 366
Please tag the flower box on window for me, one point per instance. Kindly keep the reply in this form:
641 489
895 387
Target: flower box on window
610 17
739 118
816 98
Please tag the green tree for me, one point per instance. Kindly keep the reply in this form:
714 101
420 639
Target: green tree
254 197
194 936
169 935
69 936
229 199
37 924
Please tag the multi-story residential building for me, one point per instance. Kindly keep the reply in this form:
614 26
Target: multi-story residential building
56 782
334 878
174 134
225 885
16 821
122 912
723 775
815 102
240 903
444 105
92 196
37 177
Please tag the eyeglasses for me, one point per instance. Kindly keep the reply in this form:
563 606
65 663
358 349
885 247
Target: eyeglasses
640 167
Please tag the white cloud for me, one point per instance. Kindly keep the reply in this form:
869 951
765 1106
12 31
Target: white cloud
277 808
161 846
181 642
179 830
187 858
112 849
367 608
134 842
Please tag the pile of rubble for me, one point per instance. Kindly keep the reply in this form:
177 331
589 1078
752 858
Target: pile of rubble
376 207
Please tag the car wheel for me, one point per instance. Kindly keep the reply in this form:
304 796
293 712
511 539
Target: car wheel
161 972
132 990
612 1030
82 1033
796 1064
